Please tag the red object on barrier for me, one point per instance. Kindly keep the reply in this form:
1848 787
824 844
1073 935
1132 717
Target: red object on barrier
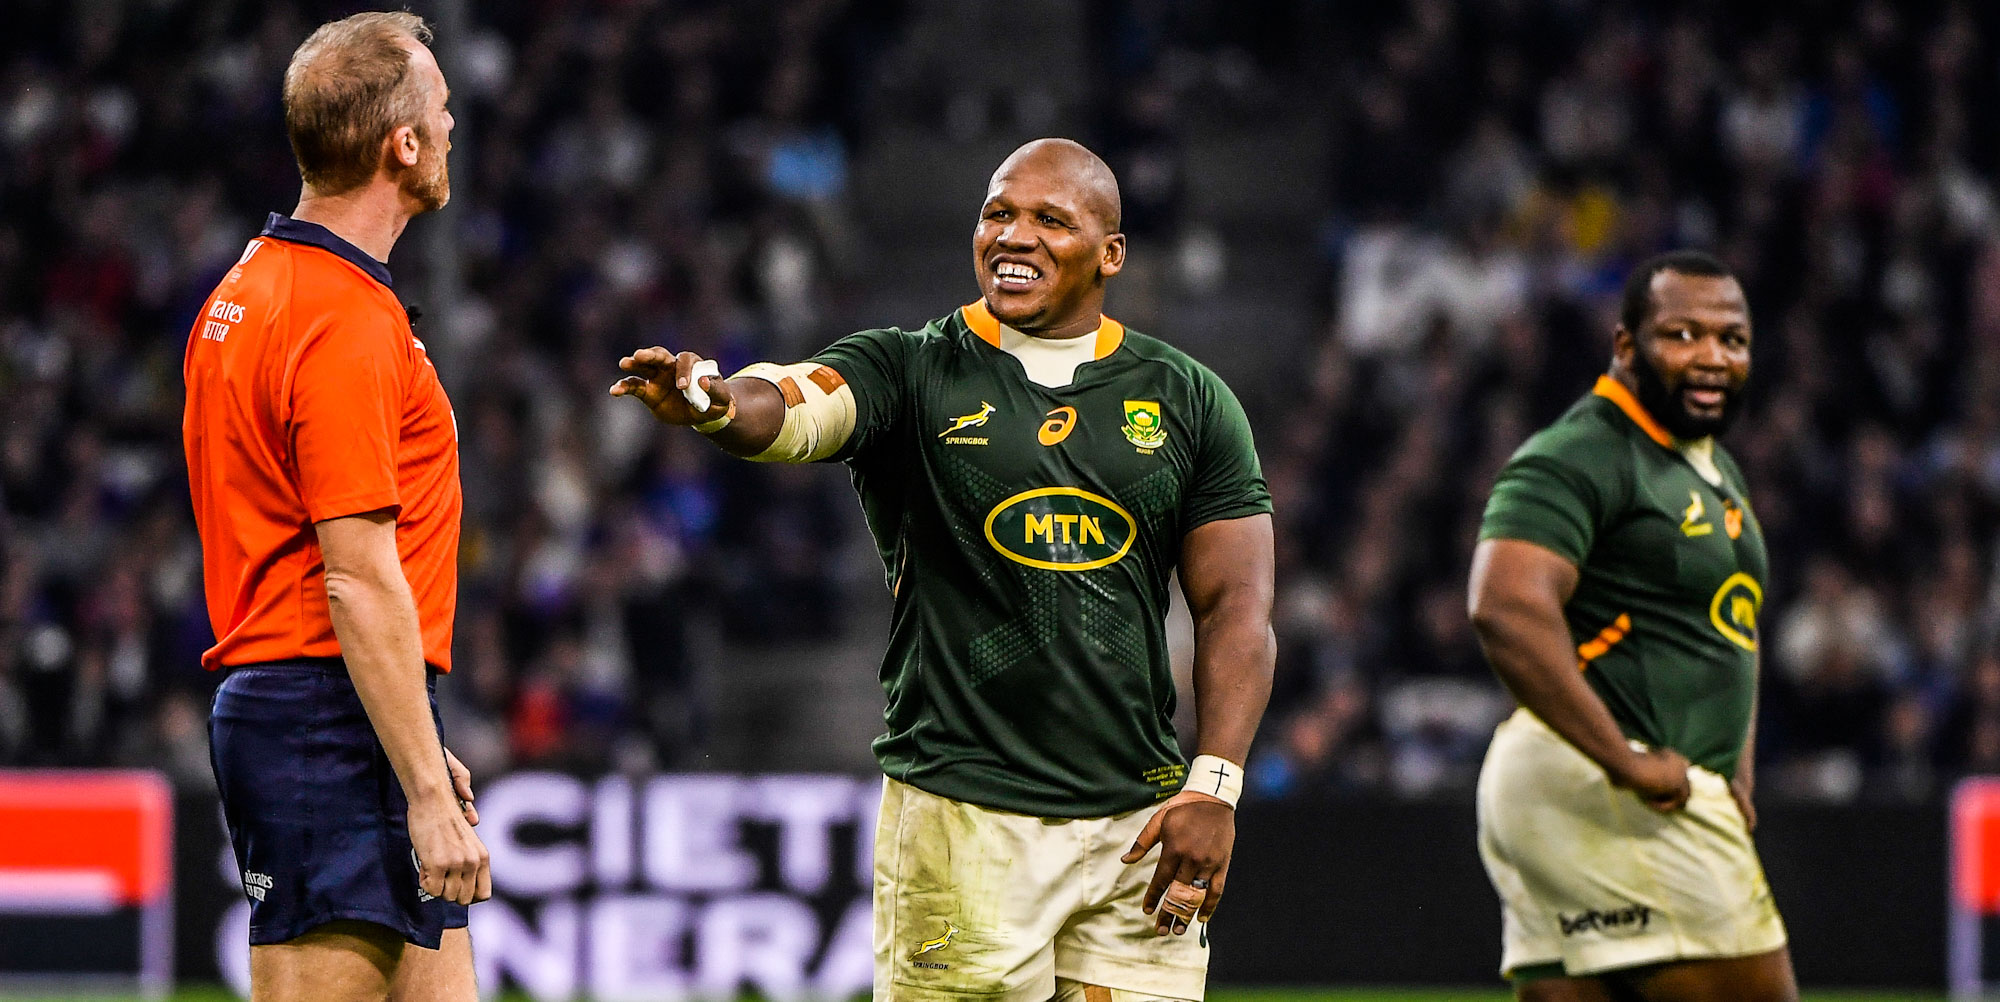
1975 837
93 843
83 841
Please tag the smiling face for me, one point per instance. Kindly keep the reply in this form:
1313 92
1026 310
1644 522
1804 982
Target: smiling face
1690 359
1047 239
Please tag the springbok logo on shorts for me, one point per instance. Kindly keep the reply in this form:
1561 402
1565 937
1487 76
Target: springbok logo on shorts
934 945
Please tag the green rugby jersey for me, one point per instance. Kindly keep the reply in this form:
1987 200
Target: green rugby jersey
1029 534
1672 570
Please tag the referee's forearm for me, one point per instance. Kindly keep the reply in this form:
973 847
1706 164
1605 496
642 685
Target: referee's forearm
375 620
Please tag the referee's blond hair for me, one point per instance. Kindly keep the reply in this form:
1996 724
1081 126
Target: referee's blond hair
348 86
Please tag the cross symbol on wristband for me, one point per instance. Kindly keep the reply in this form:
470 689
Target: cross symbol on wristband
1221 772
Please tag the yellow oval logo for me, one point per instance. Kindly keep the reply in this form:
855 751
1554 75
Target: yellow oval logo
1734 610
1057 427
1061 529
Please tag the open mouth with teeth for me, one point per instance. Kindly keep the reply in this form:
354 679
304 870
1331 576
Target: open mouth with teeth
1705 397
1013 275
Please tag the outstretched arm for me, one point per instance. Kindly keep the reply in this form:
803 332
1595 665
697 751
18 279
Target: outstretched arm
1226 574
658 377
1517 594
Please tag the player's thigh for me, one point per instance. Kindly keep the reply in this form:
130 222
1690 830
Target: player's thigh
440 975
336 962
1763 977
1568 990
967 900
1110 942
1068 990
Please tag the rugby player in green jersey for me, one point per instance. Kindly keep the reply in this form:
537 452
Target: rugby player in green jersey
1033 473
1615 590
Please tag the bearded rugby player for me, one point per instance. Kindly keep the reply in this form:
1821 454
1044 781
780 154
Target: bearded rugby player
1615 590
1033 472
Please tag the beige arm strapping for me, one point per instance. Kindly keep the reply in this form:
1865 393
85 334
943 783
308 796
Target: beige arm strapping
819 411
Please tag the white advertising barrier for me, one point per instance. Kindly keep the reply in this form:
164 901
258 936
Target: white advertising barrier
665 887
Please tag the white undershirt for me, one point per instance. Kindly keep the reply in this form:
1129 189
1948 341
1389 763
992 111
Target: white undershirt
1700 454
1050 362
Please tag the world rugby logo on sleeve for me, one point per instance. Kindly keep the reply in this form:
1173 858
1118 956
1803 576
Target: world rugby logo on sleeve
1061 529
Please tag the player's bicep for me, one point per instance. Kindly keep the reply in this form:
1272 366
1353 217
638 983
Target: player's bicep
1516 574
344 418
1228 563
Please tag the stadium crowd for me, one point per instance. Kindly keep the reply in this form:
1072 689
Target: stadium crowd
679 173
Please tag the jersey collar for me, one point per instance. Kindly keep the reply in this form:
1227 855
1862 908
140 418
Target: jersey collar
1110 333
1615 391
299 231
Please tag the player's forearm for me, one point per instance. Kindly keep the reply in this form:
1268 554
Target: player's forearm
1234 655
1528 645
760 415
375 620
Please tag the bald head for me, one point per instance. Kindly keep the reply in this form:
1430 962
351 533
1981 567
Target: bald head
1073 167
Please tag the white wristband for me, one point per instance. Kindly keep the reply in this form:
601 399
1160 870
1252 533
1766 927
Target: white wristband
1216 776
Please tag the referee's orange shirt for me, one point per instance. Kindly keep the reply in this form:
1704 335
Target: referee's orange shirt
309 397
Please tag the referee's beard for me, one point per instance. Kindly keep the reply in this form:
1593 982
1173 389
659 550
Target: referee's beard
429 183
1667 407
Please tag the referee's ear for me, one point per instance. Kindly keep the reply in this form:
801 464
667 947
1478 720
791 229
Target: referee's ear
404 146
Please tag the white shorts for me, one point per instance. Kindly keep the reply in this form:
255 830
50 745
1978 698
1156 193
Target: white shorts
1592 878
977 902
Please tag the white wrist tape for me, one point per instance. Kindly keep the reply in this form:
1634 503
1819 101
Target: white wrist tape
711 427
1216 776
819 411
697 397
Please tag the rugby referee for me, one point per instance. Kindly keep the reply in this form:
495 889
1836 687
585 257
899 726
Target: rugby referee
323 461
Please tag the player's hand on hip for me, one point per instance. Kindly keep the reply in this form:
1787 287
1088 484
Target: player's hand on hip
660 378
451 861
461 785
1196 834
1657 776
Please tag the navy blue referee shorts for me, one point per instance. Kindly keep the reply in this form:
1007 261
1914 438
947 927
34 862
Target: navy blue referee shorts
314 809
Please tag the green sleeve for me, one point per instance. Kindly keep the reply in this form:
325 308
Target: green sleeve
875 365
1543 499
1227 480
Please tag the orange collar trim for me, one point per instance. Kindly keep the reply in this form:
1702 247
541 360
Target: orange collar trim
1110 333
1615 391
